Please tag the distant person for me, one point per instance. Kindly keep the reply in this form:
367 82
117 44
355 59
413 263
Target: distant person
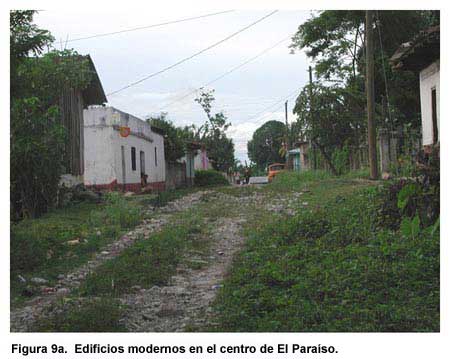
247 175
144 180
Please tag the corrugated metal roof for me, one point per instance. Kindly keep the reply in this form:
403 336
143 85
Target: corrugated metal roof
419 52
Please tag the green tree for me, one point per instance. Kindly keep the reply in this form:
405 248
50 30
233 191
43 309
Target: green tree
175 138
333 120
37 135
213 134
25 39
334 40
264 147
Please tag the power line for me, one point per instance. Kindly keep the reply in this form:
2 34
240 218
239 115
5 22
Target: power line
276 103
148 26
193 55
226 73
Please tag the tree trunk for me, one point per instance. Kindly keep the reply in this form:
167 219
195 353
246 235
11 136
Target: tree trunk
326 157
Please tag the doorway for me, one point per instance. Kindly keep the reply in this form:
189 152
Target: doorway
434 115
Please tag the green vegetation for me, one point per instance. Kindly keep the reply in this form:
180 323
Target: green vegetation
333 268
66 238
160 199
37 136
149 262
264 147
209 178
96 315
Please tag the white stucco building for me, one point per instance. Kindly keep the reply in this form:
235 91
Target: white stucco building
430 103
113 161
422 55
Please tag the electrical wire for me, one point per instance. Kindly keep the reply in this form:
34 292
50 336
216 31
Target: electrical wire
149 26
276 103
225 73
193 55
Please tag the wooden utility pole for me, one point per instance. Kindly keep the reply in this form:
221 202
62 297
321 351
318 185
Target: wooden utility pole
370 92
286 139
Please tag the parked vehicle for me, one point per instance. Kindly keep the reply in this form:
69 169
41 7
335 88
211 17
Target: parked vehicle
274 169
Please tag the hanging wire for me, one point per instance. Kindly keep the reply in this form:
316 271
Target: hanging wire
384 73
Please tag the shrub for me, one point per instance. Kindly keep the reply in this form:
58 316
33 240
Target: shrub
209 178
37 143
38 138
117 212
27 252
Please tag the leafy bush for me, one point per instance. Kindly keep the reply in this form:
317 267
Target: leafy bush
37 136
418 196
209 178
118 212
37 143
27 252
340 160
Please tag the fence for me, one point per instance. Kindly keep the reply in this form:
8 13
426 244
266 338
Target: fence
395 149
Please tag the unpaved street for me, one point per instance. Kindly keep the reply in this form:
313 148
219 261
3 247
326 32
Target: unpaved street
184 303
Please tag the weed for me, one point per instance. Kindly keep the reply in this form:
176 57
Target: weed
149 262
97 315
333 269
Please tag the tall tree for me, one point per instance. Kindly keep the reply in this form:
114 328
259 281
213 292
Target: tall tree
25 39
264 147
213 134
37 135
336 118
334 40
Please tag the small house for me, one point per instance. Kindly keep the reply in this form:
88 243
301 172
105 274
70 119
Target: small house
422 55
196 158
122 151
298 156
201 160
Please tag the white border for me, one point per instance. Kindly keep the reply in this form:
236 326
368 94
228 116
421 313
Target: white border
355 345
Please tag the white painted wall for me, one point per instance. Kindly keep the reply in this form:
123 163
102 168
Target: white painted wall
98 146
103 158
429 79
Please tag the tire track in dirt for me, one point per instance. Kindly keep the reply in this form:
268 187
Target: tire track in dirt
186 301
23 318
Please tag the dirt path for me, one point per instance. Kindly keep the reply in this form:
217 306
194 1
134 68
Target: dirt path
23 318
185 303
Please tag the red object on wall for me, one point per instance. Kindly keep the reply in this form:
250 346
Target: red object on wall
124 131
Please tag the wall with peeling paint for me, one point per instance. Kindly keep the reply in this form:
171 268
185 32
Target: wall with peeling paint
103 149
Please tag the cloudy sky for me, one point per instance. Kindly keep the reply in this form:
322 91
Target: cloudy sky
249 96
